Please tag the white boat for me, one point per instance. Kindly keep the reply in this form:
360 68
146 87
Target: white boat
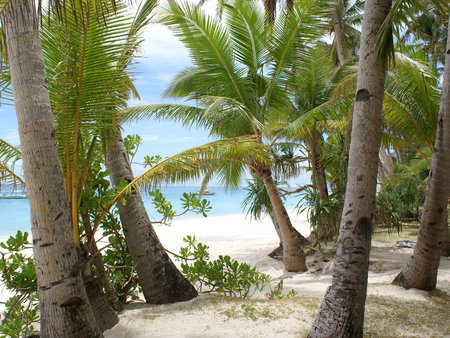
205 193
13 195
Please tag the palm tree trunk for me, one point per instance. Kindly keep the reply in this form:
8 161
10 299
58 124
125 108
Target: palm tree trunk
293 255
421 271
338 33
104 314
318 171
342 311
277 253
159 278
64 308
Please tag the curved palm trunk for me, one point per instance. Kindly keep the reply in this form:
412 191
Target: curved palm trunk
277 253
64 308
293 255
421 271
159 278
342 311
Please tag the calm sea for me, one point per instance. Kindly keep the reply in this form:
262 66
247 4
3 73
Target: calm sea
15 213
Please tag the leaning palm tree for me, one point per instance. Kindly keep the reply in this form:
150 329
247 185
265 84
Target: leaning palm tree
64 306
238 78
421 271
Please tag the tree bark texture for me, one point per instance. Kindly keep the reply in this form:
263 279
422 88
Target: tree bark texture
104 314
422 269
159 278
64 308
338 33
293 255
318 171
341 313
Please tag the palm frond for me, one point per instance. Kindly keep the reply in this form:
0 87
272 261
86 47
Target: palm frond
9 155
292 33
209 44
412 100
188 115
192 164
248 33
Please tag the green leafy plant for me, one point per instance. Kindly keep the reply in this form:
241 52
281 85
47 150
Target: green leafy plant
323 214
189 203
224 275
18 274
399 200
279 295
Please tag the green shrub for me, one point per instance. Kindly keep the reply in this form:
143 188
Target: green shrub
224 275
18 275
323 214
399 200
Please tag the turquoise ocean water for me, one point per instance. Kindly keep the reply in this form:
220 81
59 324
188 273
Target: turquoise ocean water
15 213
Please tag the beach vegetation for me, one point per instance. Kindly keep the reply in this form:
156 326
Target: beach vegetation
223 275
324 213
18 276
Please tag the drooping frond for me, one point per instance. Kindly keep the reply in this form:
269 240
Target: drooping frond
188 115
9 155
194 163
412 100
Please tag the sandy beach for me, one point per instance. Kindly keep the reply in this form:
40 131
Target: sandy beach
250 241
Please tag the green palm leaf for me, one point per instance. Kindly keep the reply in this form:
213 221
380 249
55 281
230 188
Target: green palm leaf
209 45
9 155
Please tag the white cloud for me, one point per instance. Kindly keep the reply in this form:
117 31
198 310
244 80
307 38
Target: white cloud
160 45
173 140
147 137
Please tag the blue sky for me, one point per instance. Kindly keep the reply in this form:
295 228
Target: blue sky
161 58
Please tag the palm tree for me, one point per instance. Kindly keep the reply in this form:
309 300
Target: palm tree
87 95
160 280
65 308
342 310
240 68
421 271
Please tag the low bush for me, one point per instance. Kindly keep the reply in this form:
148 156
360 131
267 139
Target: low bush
224 275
